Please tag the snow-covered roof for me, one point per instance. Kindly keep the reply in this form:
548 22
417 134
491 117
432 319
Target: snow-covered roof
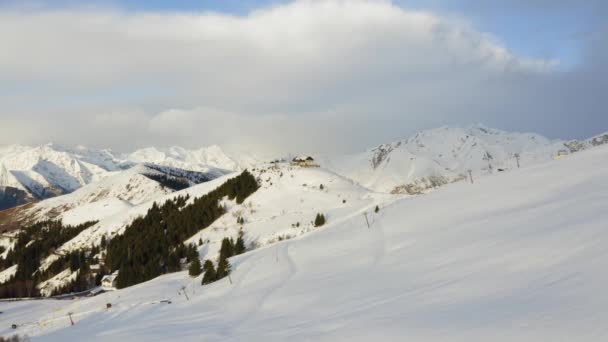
110 277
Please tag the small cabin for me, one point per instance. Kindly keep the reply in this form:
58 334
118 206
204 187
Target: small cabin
307 161
561 153
108 282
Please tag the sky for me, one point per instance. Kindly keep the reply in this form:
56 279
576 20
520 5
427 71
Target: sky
303 76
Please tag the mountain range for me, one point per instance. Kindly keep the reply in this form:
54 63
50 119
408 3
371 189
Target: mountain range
81 185
426 160
30 174
443 155
404 237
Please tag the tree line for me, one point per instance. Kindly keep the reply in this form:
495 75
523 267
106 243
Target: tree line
152 245
34 244
229 248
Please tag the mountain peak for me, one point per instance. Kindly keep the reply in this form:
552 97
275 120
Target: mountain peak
445 154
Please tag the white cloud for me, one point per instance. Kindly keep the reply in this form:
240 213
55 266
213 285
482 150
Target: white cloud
360 67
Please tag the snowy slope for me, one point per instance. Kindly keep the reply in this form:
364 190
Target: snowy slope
516 256
284 207
45 172
50 170
443 155
117 192
429 158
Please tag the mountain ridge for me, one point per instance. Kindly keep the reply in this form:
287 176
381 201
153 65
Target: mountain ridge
438 156
35 173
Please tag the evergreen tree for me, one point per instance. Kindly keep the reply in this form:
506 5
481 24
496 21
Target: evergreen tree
195 268
377 209
223 269
153 244
319 220
239 246
172 263
191 253
227 248
210 274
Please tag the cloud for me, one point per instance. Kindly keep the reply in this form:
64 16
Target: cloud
309 75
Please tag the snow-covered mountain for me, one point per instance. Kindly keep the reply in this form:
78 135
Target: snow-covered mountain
35 173
119 190
426 160
284 207
446 154
515 256
197 160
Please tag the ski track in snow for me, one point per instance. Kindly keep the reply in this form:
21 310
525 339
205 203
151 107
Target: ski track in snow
284 259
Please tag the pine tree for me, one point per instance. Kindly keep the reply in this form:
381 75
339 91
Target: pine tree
195 268
153 244
239 246
223 269
377 209
210 274
319 220
173 262
191 252
227 248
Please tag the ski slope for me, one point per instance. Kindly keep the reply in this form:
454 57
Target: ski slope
516 256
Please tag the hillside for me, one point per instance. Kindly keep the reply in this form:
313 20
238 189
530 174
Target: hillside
118 190
46 171
515 256
443 155
284 207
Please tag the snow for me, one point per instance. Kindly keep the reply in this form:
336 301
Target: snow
516 256
8 273
66 276
196 160
447 152
285 206
95 211
45 169
121 217
111 194
50 170
7 240
115 193
288 195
